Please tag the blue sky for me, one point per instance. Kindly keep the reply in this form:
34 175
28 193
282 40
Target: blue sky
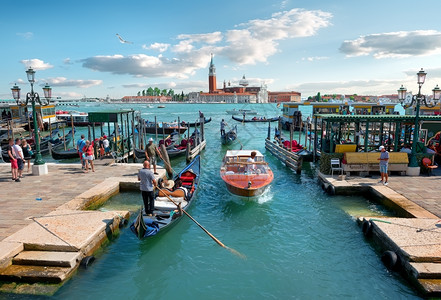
363 47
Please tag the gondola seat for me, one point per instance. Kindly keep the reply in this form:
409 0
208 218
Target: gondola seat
162 203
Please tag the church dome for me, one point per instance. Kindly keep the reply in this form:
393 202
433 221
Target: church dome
243 81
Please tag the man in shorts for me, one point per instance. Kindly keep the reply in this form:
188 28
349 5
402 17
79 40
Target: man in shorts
14 166
384 160
106 145
80 145
18 152
150 154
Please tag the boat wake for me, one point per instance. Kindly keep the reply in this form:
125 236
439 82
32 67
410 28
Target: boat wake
266 196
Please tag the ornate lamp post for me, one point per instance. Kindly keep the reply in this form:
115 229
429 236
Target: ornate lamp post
418 100
33 97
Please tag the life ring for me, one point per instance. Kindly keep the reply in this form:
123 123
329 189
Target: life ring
366 227
390 259
87 261
330 190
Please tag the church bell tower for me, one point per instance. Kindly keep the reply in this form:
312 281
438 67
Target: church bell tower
212 77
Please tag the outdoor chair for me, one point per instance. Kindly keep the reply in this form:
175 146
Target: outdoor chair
336 166
428 166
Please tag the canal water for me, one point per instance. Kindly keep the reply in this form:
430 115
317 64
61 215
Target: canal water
299 242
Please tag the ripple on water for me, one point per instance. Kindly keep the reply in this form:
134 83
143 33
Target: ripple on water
298 241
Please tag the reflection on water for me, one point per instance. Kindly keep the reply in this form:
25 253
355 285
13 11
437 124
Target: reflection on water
299 242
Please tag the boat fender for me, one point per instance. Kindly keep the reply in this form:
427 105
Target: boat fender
390 259
122 223
330 190
366 227
323 186
87 261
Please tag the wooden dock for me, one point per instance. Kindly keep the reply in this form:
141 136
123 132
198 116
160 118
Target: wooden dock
290 159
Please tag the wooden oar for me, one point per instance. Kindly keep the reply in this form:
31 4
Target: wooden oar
206 231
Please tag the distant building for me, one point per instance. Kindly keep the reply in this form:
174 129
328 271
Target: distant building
231 94
146 99
276 97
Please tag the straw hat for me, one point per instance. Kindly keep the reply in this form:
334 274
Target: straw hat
169 184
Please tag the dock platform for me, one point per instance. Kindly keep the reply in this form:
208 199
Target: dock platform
43 242
411 243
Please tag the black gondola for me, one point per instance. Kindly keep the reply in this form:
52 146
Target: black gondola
255 119
64 154
166 213
194 124
230 136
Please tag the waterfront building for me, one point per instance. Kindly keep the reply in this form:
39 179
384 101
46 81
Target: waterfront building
146 99
243 93
277 97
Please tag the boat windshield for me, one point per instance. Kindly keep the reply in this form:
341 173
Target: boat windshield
244 168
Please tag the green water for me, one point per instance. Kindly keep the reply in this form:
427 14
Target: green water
299 243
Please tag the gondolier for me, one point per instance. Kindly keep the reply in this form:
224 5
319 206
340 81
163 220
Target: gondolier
222 126
150 154
147 184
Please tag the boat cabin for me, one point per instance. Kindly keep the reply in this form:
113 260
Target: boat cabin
12 111
236 162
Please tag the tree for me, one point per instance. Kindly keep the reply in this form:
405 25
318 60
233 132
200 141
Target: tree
156 91
182 96
318 98
143 92
149 91
139 94
170 92
164 92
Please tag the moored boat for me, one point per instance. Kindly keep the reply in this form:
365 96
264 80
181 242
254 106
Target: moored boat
255 119
196 123
166 213
162 127
241 112
245 178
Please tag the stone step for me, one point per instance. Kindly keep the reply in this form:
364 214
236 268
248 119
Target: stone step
47 258
431 287
22 273
426 270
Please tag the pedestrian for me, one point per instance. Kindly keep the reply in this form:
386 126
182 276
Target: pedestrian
14 167
27 152
384 160
88 156
222 126
18 151
147 185
106 145
150 154
80 145
101 147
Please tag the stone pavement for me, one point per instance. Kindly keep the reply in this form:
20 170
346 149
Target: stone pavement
424 191
63 183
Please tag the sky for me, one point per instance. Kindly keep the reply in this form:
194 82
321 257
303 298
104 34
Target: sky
331 47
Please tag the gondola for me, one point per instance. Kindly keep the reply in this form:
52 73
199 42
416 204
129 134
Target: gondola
64 154
230 136
256 120
194 124
166 213
166 128
173 150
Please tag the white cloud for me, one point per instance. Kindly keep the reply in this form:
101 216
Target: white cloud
314 58
161 47
26 35
67 61
249 43
67 95
208 38
64 82
36 64
394 44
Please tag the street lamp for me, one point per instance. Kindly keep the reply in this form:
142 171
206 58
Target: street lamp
418 100
34 97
